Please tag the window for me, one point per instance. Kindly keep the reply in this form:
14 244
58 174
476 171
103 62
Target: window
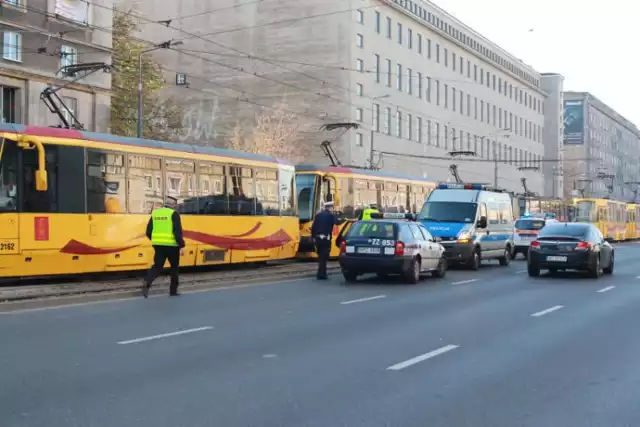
376 117
468 105
461 102
475 73
180 181
212 188
446 96
453 98
409 38
446 137
376 59
10 112
461 65
389 73
73 10
145 189
437 92
438 53
453 58
106 182
446 57
359 140
398 124
359 89
377 22
360 40
71 111
359 114
399 33
428 94
409 121
241 189
399 77
360 16
68 56
387 120
468 69
420 44
429 48
389 28
419 129
12 47
409 81
359 65
419 80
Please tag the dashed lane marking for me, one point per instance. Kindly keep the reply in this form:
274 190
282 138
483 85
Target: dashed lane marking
422 358
547 311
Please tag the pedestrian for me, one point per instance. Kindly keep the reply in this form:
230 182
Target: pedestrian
321 230
164 229
366 213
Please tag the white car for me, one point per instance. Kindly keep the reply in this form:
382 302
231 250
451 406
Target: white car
525 231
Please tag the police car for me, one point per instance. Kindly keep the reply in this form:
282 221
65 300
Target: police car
526 229
390 244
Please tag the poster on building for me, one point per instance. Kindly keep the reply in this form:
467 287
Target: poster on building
573 116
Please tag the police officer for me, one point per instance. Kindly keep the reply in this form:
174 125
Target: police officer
165 232
366 214
321 230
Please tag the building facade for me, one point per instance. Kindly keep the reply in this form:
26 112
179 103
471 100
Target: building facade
40 37
423 86
601 149
552 136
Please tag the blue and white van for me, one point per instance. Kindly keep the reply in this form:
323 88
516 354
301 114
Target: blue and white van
472 222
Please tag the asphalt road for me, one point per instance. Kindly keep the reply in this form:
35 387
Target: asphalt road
491 348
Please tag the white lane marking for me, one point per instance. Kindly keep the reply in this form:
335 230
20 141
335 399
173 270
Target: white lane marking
521 271
171 334
355 301
421 358
547 311
607 289
464 281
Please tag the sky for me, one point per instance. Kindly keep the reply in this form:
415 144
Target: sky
595 47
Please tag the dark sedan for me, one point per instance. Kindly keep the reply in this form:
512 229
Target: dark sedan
570 246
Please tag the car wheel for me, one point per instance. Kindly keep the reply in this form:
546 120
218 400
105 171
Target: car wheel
609 269
441 270
533 270
474 262
505 259
350 276
413 274
596 271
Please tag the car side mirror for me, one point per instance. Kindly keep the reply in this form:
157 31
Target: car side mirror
482 222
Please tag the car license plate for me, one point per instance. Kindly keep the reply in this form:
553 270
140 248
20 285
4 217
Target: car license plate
527 237
368 250
557 258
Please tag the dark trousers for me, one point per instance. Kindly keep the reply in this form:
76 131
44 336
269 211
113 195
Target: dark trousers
162 254
323 249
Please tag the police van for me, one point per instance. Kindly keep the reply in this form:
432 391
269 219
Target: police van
472 221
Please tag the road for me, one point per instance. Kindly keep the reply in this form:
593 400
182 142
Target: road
490 348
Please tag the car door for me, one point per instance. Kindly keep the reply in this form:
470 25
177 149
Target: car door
423 245
605 247
435 249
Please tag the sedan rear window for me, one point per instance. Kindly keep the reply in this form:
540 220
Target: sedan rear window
371 229
562 230
529 224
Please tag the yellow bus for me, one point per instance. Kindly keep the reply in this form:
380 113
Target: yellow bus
609 216
352 190
78 202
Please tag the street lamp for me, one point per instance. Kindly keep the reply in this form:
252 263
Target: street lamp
164 45
373 112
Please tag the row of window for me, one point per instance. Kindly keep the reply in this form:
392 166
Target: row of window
457 63
12 48
437 23
448 137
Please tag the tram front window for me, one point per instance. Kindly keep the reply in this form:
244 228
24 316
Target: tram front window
306 186
585 211
8 176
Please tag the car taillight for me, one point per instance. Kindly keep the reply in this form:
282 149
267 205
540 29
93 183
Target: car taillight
343 247
535 244
399 249
583 246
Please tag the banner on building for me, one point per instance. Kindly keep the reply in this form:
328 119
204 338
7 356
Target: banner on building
573 116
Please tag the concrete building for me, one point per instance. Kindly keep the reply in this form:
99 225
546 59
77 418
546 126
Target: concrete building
41 36
601 149
422 80
552 136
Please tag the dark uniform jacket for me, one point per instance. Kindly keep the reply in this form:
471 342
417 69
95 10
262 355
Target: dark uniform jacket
323 224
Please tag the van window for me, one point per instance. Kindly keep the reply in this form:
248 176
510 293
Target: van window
492 212
505 213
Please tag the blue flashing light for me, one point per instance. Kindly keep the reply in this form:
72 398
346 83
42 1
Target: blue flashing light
445 186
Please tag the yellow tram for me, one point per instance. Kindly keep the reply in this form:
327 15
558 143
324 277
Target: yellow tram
78 202
611 217
351 190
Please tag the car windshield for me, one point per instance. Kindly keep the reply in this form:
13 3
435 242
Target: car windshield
449 212
305 184
564 230
370 229
529 224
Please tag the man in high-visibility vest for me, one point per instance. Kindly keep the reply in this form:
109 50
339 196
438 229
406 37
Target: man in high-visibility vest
165 232
366 213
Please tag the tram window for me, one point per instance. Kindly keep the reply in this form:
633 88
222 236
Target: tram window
346 197
390 197
40 201
106 185
266 181
287 191
365 194
212 198
8 176
145 184
241 191
306 189
180 179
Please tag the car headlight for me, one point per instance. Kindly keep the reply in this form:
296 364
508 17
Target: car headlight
464 237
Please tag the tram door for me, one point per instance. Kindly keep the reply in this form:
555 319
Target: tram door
9 219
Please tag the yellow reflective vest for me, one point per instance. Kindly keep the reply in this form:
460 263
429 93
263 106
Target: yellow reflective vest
162 233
